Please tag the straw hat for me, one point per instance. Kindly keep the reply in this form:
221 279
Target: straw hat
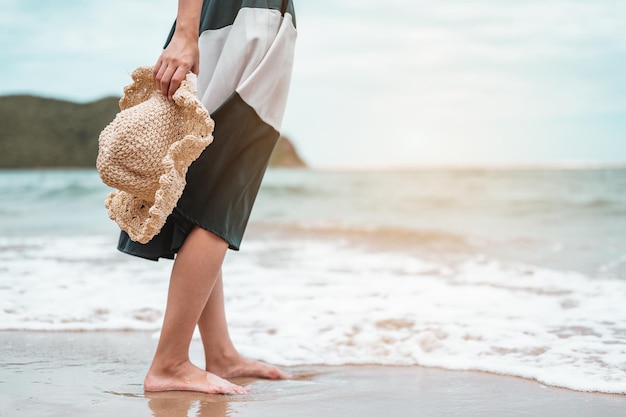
146 150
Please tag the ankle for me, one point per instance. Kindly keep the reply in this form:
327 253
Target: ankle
222 357
218 349
161 365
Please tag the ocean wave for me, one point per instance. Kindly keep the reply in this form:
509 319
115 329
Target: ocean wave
315 301
378 236
455 270
295 190
70 191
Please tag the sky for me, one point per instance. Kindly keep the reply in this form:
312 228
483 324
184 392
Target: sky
400 83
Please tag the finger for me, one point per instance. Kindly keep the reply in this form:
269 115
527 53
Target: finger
177 78
159 74
166 80
156 69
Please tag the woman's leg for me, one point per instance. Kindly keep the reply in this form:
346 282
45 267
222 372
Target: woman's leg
194 275
220 354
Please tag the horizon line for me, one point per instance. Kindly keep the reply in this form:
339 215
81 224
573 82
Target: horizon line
522 166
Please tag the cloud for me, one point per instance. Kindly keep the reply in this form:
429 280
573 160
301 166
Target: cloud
79 49
404 81
448 74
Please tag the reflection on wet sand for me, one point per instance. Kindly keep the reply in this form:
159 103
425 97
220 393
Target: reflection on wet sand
188 404
195 404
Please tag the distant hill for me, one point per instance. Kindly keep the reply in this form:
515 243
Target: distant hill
285 155
37 132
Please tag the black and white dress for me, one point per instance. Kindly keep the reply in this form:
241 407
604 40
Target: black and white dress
246 59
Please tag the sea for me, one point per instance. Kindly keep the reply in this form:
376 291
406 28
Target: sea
511 271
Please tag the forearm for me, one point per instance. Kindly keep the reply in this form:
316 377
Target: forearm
188 18
181 55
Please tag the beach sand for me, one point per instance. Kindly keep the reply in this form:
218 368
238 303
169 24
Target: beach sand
101 374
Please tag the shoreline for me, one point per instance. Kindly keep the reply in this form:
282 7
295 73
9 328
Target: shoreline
101 374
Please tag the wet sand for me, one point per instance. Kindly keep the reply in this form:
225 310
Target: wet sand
101 374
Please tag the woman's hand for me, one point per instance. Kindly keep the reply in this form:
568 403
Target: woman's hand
179 58
181 55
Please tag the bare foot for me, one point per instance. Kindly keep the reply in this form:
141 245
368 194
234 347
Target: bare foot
188 377
239 366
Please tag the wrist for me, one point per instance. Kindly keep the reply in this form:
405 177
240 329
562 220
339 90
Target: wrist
187 32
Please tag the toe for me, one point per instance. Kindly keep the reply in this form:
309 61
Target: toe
275 373
238 389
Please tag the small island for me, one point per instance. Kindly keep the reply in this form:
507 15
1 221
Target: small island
38 132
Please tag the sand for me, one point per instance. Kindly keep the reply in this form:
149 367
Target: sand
100 374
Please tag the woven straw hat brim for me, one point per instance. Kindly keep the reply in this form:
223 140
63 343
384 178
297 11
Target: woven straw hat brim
146 151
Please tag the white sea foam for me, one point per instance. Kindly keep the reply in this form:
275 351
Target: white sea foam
340 268
77 283
311 300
